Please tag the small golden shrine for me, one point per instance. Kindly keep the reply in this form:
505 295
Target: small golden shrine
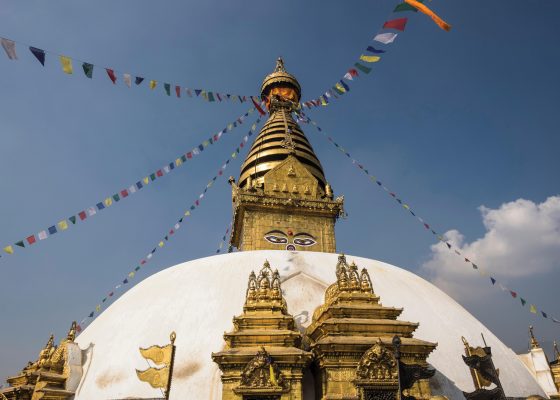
47 378
351 339
282 200
263 358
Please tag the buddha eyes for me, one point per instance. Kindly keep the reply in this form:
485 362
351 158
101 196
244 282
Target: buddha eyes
276 239
304 241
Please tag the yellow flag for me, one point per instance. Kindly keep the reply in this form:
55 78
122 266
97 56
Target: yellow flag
153 84
108 201
157 378
63 225
131 275
369 59
98 308
178 162
187 213
533 309
406 206
233 155
161 244
9 249
66 63
158 354
340 87
146 180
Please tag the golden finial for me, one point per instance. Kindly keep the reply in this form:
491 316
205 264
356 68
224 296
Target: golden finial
556 352
365 282
534 343
280 65
172 337
71 332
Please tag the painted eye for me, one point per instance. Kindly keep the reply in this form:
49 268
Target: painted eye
276 239
304 241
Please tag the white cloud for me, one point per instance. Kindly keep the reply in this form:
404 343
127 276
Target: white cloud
522 240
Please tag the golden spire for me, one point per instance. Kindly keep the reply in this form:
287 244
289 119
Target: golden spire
72 332
280 136
534 343
556 352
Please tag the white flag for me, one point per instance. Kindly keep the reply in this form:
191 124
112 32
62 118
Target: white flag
177 226
10 48
149 256
127 79
132 189
42 235
385 38
166 169
91 211
348 76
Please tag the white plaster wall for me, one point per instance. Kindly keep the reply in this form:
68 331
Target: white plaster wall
198 299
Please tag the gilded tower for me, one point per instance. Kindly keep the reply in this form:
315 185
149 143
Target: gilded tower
282 200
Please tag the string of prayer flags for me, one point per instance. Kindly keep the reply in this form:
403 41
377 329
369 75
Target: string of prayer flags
66 63
133 188
373 179
224 239
417 5
161 243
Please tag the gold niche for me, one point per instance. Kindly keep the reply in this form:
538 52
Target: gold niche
262 357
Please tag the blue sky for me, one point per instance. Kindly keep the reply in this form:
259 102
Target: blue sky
449 121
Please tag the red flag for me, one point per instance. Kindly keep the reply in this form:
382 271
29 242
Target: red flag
159 173
111 74
257 106
397 24
178 91
353 72
513 294
31 239
82 215
124 193
189 154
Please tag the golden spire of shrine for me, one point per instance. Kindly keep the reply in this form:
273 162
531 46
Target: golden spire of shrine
533 344
280 136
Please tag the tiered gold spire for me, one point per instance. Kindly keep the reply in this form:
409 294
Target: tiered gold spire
533 343
280 135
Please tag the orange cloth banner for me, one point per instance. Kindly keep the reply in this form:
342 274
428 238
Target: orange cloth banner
422 8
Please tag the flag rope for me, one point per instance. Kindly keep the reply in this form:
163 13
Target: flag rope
224 239
127 78
384 37
89 212
482 271
170 233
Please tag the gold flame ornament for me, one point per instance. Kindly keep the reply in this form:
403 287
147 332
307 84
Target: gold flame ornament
159 378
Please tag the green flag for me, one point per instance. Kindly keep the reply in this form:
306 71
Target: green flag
210 96
406 7
523 301
73 219
363 68
88 69
167 87
20 243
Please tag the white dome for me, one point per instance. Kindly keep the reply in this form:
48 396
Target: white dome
199 298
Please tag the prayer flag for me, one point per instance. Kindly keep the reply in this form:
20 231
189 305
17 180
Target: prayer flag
210 96
39 54
385 38
88 69
422 8
66 63
178 91
153 84
373 50
100 206
370 59
90 315
493 281
98 308
132 189
146 180
167 88
138 80
218 96
127 80
348 76
131 274
345 85
523 301
189 93
533 309
406 7
63 225
513 294
20 243
108 202
91 211
42 235
161 244
339 90
197 92
544 314
398 24
73 219
82 214
10 48
31 239
111 74
153 177
258 107
159 173
116 197
9 249
166 169
363 68
139 185
124 193
52 230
